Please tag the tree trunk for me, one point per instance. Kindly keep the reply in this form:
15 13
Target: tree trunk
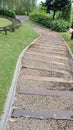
54 14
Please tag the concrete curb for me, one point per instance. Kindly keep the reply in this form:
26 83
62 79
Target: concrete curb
70 52
10 98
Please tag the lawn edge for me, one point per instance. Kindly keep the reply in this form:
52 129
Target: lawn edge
70 52
11 93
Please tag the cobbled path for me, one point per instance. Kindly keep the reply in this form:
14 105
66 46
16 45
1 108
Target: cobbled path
46 65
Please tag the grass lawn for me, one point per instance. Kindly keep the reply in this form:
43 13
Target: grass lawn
68 39
4 22
35 23
11 46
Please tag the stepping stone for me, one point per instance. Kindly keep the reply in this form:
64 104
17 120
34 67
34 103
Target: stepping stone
49 79
44 65
50 85
45 92
42 57
28 71
49 45
49 42
47 48
44 61
51 52
49 56
61 115
46 69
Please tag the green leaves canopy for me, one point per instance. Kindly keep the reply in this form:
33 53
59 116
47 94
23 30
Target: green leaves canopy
56 5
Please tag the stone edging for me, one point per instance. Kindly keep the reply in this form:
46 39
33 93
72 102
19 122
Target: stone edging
11 93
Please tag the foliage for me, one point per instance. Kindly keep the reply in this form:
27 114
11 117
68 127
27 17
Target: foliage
47 21
57 5
7 12
66 12
10 48
60 25
19 6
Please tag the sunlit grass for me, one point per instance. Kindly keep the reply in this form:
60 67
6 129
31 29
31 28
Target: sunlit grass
4 22
68 39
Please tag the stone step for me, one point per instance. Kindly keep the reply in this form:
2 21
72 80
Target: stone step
62 72
45 61
42 84
38 55
45 92
62 115
47 49
40 102
49 52
53 43
34 63
49 79
46 55
37 72
49 45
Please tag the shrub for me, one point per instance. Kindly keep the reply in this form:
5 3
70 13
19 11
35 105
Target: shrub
59 25
39 17
7 12
46 20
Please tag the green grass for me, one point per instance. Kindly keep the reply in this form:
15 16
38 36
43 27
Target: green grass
35 23
4 22
68 39
11 46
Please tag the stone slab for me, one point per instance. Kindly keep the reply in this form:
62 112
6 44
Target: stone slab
44 61
49 79
44 69
49 56
62 115
45 92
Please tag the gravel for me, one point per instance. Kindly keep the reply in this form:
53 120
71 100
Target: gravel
34 124
37 102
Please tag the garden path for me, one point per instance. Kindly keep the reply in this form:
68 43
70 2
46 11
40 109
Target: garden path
43 98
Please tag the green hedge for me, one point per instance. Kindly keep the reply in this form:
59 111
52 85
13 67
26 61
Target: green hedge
46 20
7 12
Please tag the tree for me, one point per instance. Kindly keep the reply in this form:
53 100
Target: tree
56 5
20 6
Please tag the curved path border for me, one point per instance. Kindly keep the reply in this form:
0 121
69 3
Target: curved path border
11 93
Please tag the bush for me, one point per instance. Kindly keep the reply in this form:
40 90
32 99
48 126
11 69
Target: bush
46 20
40 18
7 12
59 25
